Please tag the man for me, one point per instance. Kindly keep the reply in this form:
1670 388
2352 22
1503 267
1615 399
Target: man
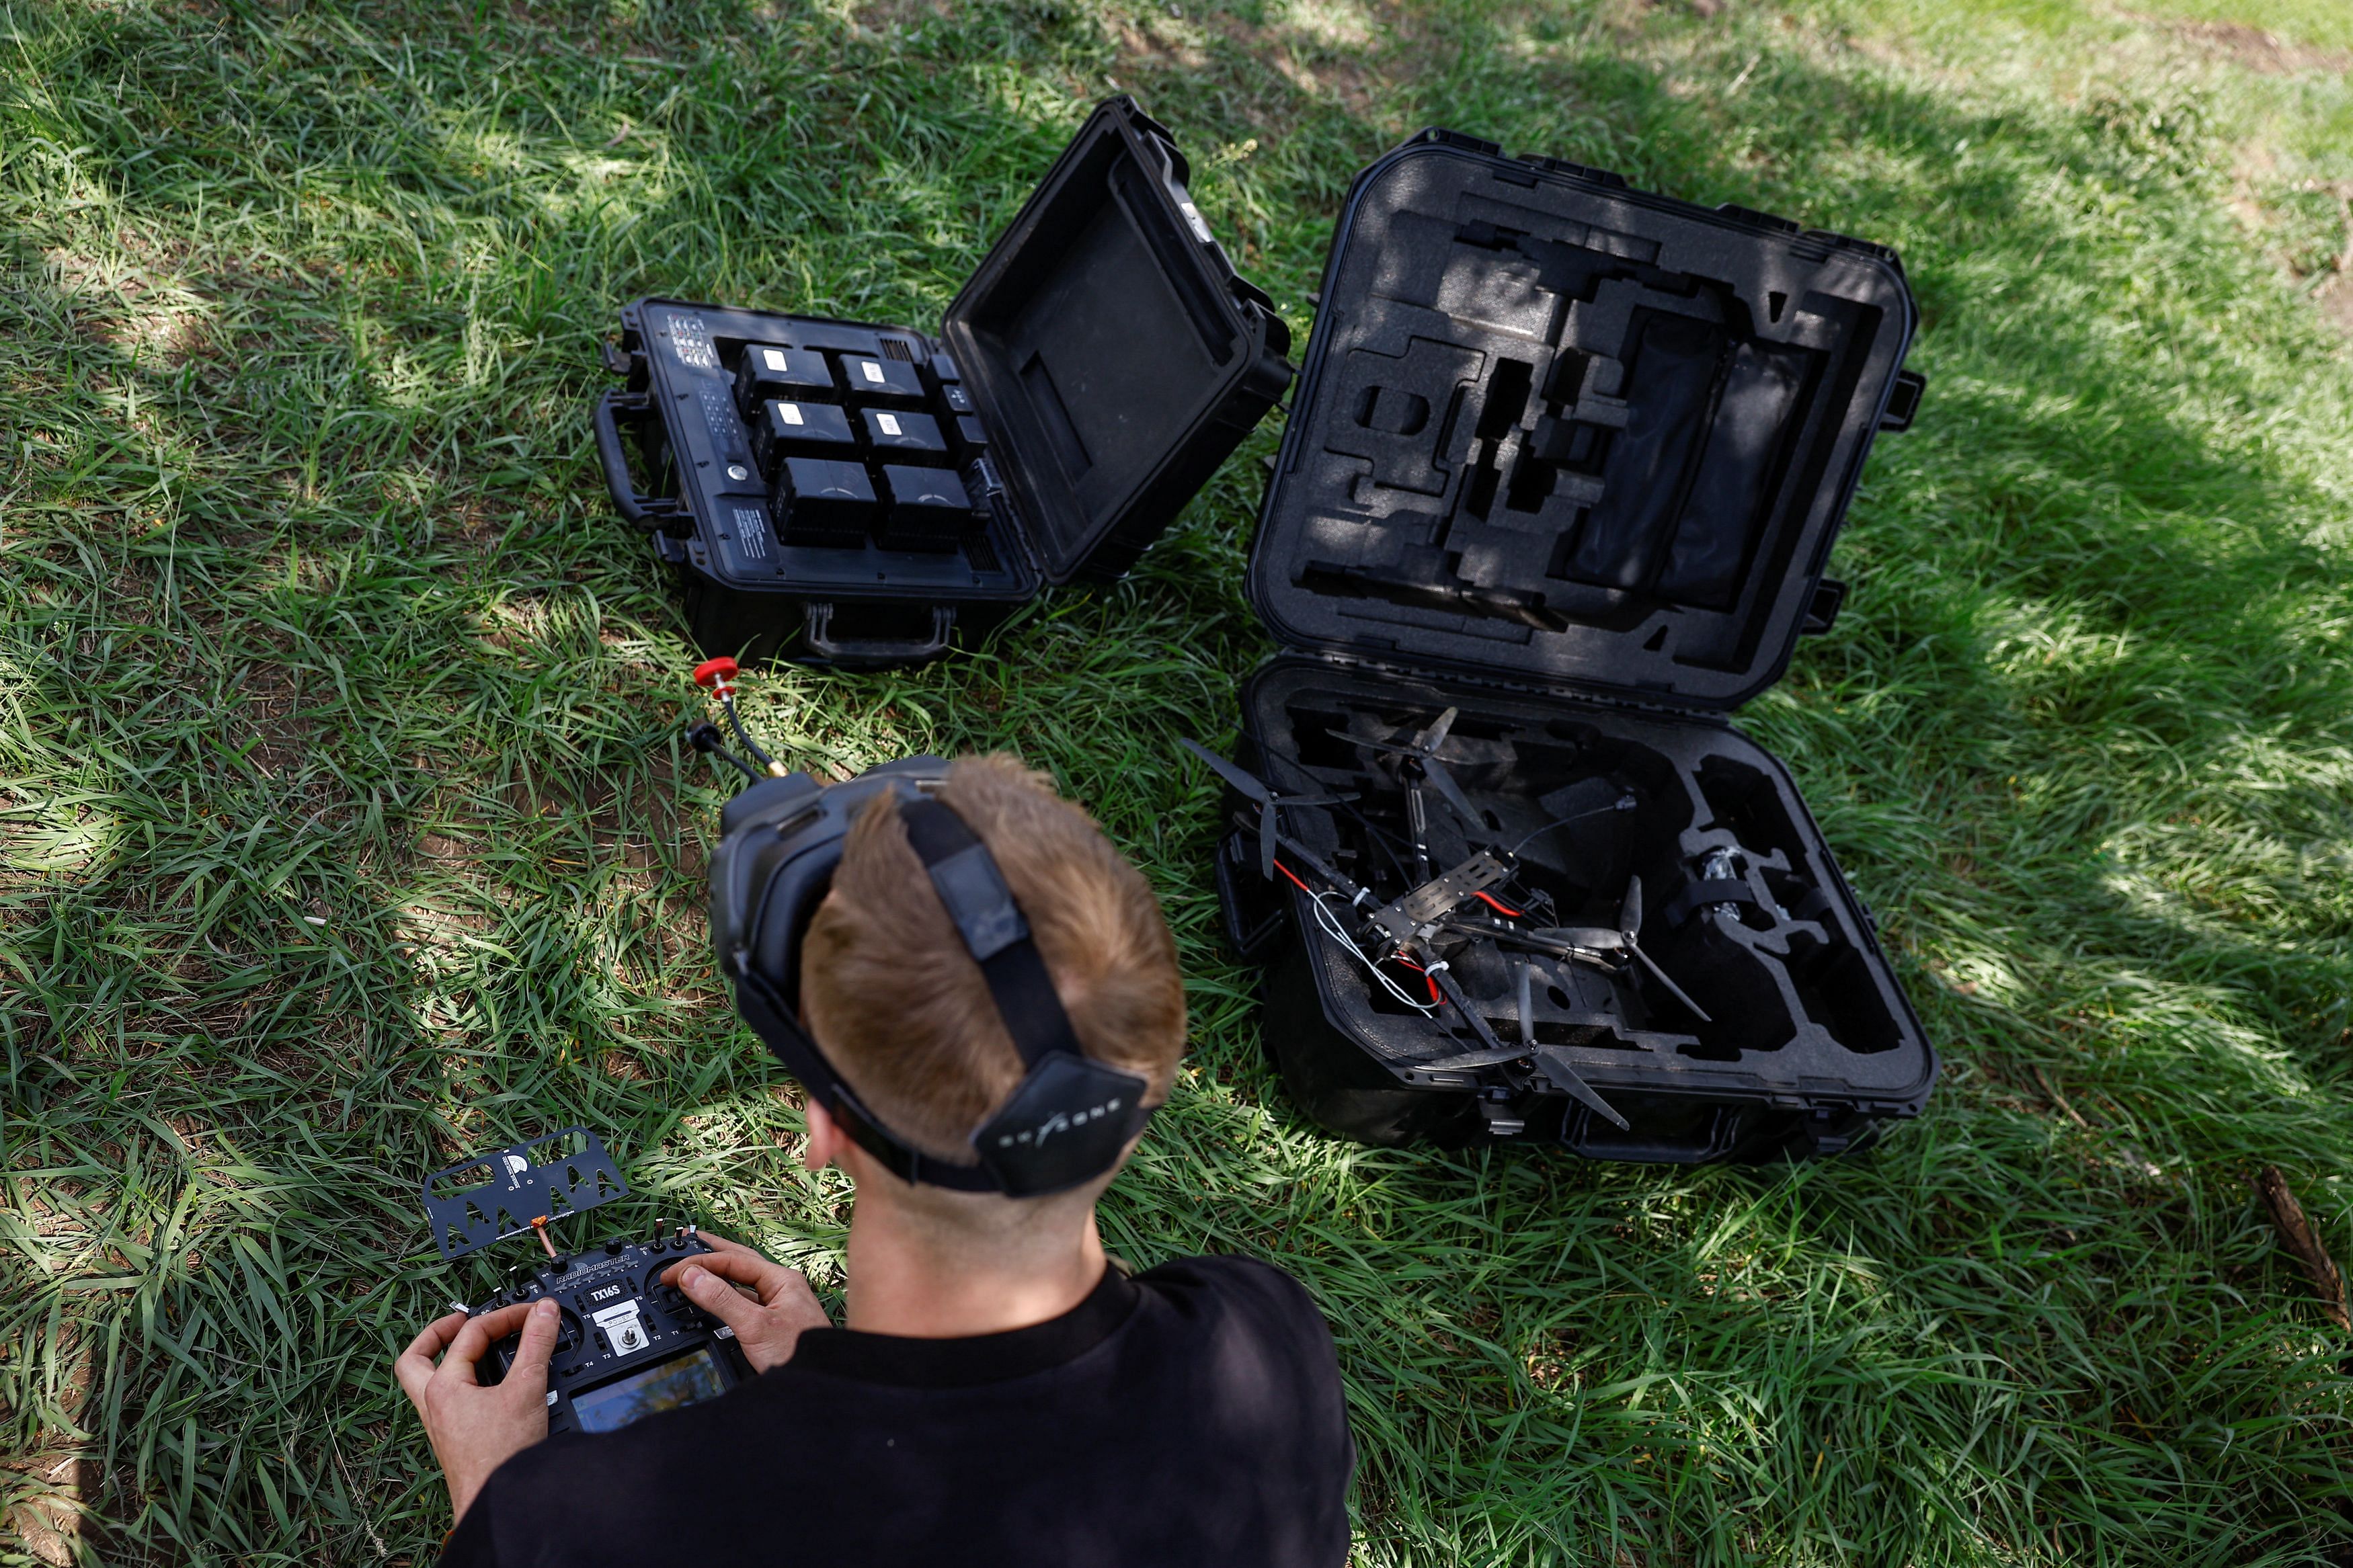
998 1392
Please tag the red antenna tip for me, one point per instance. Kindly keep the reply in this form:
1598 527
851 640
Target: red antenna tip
716 675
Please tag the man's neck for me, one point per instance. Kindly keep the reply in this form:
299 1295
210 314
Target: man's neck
900 1283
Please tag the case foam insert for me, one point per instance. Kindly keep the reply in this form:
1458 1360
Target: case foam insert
1573 432
1793 998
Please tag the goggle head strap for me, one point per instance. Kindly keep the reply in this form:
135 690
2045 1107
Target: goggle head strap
762 1008
1071 1115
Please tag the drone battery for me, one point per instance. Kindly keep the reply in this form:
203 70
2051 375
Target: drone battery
956 399
801 430
769 370
943 369
902 437
972 435
824 502
928 508
889 381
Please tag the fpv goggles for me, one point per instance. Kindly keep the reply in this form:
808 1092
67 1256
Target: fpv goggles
781 838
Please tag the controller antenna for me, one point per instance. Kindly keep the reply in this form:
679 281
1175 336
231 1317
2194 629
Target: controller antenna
717 676
705 737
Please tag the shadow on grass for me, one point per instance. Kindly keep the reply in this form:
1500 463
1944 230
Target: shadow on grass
329 588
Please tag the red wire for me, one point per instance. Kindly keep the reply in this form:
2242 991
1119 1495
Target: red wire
1427 979
1499 909
1435 994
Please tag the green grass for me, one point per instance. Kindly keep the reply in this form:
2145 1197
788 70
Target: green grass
343 824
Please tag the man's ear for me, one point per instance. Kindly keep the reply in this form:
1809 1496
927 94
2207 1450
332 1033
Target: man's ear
826 1139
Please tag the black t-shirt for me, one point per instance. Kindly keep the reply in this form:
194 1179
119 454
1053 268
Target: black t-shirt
1190 1416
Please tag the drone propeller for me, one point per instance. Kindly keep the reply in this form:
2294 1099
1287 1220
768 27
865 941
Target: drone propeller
1548 1058
1468 1059
1552 1062
1592 939
1423 750
1593 944
1269 801
1629 928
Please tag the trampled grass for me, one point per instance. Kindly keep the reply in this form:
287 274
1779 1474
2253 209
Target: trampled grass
343 828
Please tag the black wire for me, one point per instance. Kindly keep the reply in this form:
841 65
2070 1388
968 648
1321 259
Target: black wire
1623 803
703 736
738 763
1380 839
745 735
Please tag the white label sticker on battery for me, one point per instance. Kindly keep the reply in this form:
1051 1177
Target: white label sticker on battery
870 371
889 423
791 413
622 1328
775 357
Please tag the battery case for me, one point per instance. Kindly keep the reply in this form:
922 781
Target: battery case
1086 382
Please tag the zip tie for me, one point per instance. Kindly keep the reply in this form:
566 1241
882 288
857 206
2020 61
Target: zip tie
1330 923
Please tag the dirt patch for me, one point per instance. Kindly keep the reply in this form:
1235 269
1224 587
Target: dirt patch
131 306
62 1481
877 16
271 715
2336 304
2334 293
2250 47
1325 53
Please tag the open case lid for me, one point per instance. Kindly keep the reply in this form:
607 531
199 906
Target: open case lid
1558 431
1111 349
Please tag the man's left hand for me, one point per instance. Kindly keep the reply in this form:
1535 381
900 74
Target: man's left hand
474 1429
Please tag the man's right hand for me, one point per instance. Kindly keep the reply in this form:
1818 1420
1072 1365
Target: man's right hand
767 1321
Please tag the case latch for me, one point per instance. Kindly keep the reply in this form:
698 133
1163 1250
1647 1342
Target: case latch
1591 176
619 361
1457 139
1822 610
1763 220
1903 399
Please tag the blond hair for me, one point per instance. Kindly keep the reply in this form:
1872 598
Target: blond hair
900 1007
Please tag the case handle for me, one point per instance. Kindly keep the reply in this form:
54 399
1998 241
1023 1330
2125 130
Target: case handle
1583 1134
639 511
874 653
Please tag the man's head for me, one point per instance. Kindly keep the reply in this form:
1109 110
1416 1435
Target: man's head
901 1010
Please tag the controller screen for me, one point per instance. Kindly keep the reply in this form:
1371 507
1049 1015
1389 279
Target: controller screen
689 1378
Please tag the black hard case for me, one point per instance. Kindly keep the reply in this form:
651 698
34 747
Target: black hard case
1115 359
1569 457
